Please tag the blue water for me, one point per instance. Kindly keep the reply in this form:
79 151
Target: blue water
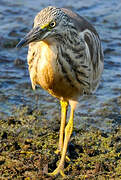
16 19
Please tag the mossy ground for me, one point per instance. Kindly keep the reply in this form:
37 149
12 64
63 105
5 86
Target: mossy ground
28 142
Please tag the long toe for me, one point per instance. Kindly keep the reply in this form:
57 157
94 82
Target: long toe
57 171
57 151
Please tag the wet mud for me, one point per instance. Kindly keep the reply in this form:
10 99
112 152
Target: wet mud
27 147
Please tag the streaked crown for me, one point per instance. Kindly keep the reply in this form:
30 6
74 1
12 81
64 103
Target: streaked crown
49 14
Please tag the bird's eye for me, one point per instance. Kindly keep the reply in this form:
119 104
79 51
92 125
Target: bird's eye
52 24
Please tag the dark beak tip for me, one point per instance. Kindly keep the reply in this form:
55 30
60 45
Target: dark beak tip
21 43
18 45
30 37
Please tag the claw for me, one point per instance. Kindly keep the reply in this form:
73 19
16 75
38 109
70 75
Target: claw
58 152
57 171
67 159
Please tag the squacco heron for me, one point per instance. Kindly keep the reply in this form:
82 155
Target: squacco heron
65 58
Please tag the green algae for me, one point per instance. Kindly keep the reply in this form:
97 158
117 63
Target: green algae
28 142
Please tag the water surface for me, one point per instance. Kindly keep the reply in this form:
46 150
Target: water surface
16 19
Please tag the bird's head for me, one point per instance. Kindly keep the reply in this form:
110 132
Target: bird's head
50 23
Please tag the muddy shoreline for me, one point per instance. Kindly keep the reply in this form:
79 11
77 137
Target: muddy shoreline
28 142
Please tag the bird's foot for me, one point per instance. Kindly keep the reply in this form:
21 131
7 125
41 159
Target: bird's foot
59 152
67 159
57 171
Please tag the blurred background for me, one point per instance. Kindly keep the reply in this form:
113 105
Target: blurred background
101 110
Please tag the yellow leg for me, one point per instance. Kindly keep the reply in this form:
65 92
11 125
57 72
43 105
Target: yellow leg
64 105
68 132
